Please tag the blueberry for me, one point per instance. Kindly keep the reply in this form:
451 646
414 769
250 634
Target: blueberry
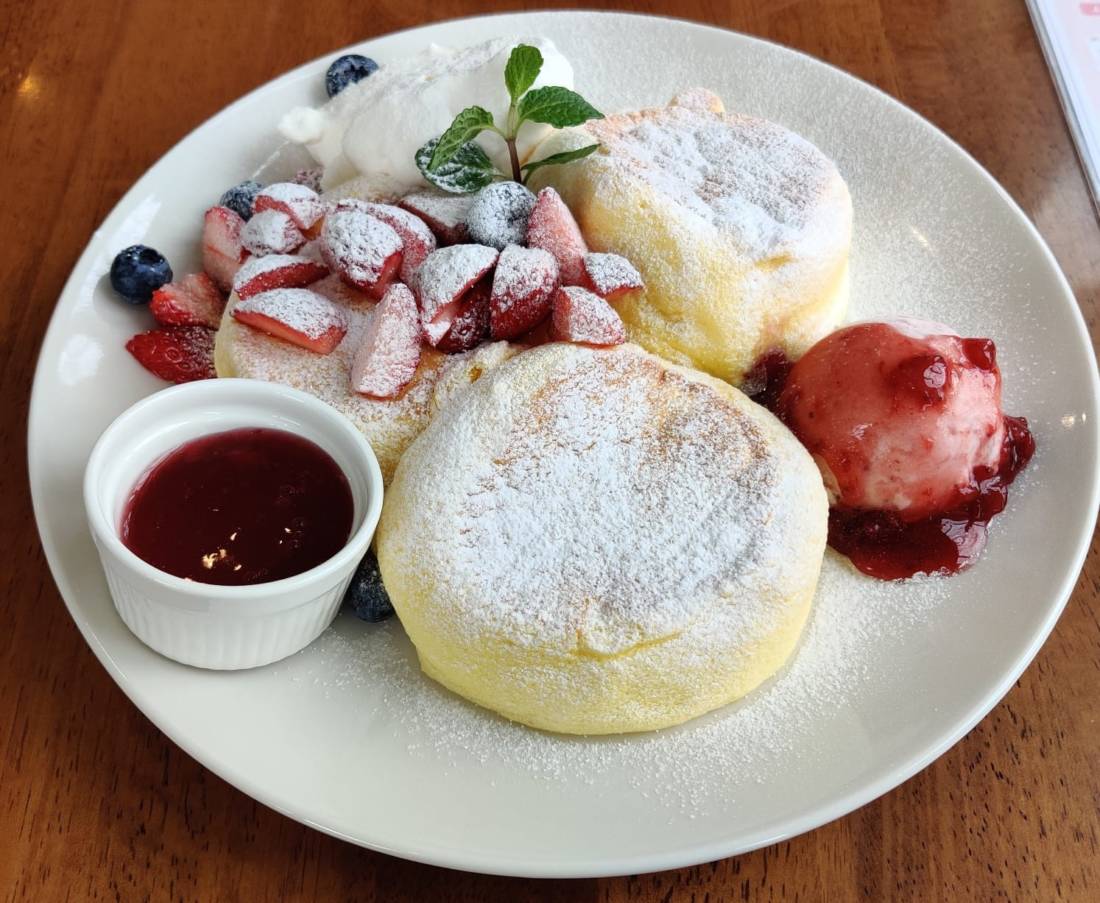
137 272
240 198
348 70
498 216
366 594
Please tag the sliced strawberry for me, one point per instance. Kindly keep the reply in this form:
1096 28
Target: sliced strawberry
261 274
584 317
551 227
387 360
271 232
470 326
610 275
303 205
444 213
417 240
178 354
363 250
444 278
297 315
523 289
222 252
193 301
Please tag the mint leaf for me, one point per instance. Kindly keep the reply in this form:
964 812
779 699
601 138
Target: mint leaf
558 107
468 169
467 125
524 66
558 159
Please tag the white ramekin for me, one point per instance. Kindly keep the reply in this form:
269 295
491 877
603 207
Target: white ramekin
200 624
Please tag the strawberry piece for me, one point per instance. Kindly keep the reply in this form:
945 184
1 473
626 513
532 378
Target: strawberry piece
271 232
444 278
222 252
178 354
584 317
363 250
303 205
523 290
417 240
261 274
193 301
470 326
296 315
444 213
610 275
390 353
551 227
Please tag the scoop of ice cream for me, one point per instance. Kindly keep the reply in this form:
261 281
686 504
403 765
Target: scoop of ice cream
901 416
375 126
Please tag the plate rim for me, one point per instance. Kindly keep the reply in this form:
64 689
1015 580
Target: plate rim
675 857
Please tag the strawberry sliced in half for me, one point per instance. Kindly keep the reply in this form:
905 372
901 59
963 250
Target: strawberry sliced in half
523 290
470 326
417 240
444 213
610 276
303 205
271 232
390 353
362 249
444 279
193 301
222 251
584 317
179 354
261 274
296 315
552 228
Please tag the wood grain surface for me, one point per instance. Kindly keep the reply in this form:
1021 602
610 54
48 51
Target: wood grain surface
95 804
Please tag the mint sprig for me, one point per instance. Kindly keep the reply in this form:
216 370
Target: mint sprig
523 67
558 107
451 161
469 168
558 159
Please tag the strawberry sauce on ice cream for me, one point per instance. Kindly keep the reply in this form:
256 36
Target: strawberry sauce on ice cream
904 420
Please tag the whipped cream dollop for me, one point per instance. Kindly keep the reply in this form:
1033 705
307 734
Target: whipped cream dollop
373 128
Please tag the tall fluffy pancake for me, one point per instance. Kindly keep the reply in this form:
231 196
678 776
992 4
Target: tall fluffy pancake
596 541
740 228
389 424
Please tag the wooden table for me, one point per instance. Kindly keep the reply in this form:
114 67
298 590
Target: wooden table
96 804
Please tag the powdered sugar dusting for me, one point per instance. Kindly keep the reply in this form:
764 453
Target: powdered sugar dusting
444 276
675 769
755 181
445 213
357 244
301 203
498 215
390 351
304 311
611 272
271 232
389 424
581 316
272 263
520 273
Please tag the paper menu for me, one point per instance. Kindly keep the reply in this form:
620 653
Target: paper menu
1069 32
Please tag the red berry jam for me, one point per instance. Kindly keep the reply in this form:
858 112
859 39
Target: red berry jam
879 543
240 507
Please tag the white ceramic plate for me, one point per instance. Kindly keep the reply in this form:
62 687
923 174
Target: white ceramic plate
348 738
